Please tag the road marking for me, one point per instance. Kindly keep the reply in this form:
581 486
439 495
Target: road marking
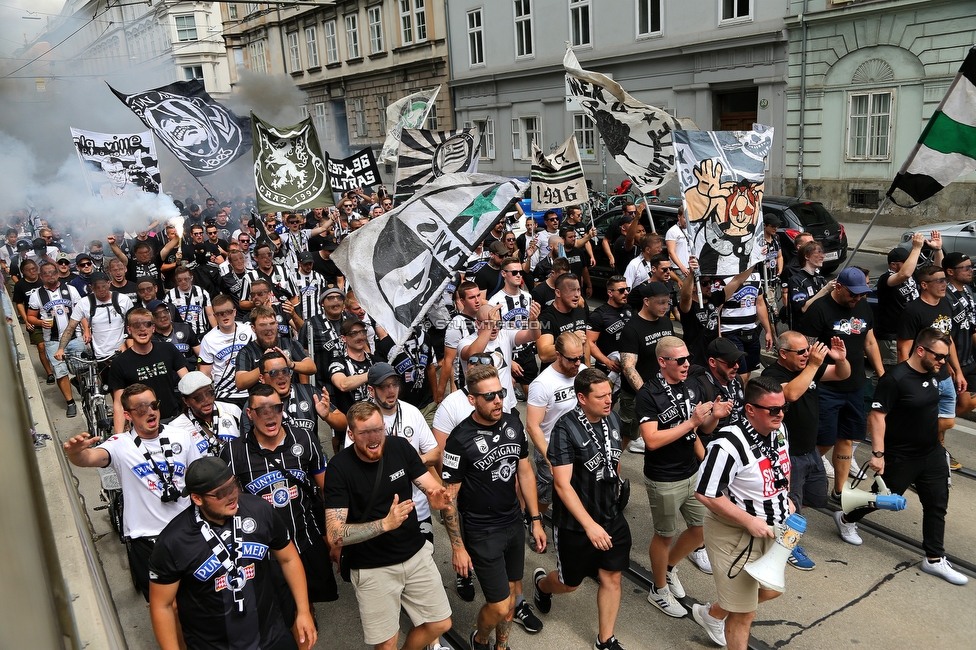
968 427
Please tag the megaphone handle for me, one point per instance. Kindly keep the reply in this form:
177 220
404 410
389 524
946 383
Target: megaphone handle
747 552
882 488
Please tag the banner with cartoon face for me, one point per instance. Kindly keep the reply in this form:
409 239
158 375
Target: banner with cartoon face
721 174
202 134
289 169
117 164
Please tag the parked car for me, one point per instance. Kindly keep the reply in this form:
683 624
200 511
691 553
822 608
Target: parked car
800 215
665 215
957 237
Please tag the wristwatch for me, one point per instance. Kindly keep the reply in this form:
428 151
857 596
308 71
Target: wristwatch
877 454
536 518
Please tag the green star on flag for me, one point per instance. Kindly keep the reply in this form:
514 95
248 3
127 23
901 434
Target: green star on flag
482 204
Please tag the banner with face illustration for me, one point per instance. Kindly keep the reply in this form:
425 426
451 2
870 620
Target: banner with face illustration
117 164
721 174
202 134
289 169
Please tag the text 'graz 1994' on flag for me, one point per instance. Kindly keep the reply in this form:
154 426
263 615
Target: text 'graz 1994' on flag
289 170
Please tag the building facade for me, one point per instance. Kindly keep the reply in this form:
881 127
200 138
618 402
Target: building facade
864 78
721 63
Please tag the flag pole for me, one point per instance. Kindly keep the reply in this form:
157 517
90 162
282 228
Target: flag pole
866 231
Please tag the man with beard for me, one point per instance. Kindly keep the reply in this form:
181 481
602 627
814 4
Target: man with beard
145 262
219 349
105 313
606 324
150 461
211 423
302 401
349 364
371 518
275 274
284 465
237 283
483 457
320 333
178 334
266 338
119 283
231 603
567 313
467 301
24 288
489 277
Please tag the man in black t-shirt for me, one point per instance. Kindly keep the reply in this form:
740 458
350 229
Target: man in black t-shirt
638 361
349 365
323 265
607 324
544 293
24 288
211 569
489 277
906 448
959 270
266 337
320 333
368 508
567 313
590 531
699 323
897 288
670 411
483 456
178 334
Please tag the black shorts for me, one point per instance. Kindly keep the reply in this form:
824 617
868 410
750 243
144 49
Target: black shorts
577 558
969 372
530 367
319 575
435 337
139 550
498 557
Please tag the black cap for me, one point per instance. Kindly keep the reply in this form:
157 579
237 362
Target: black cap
329 245
952 260
83 256
897 254
348 324
652 289
23 246
206 474
771 220
305 258
378 372
724 349
153 305
39 243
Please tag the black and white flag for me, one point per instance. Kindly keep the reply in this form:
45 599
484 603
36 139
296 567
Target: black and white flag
117 165
408 112
426 155
289 170
202 134
557 179
401 262
638 136
358 170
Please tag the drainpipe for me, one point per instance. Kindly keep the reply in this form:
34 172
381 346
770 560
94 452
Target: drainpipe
803 98
450 63
281 40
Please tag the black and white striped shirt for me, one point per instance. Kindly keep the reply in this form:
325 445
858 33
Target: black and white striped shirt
309 290
192 306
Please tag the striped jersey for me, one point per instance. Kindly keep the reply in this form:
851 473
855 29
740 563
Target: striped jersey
191 306
219 350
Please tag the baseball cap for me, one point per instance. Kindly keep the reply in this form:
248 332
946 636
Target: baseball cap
305 258
651 289
378 372
205 474
724 349
771 220
952 260
329 245
62 257
23 246
348 324
498 248
153 305
192 382
897 254
853 279
82 256
332 290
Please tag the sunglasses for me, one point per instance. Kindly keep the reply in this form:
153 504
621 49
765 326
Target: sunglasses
967 267
142 324
678 360
936 280
490 396
773 410
205 395
578 359
225 492
797 352
353 333
631 212
622 290
552 219
224 312
268 409
284 372
142 409
515 272
67 263
82 264
481 359
938 357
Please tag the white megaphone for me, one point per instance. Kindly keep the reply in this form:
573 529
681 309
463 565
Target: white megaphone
770 569
883 499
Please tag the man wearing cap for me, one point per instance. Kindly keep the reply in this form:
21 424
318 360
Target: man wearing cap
211 569
638 360
959 270
699 322
282 462
323 265
105 312
180 335
211 423
264 323
488 277
82 279
897 288
219 349
150 461
320 333
844 314
720 378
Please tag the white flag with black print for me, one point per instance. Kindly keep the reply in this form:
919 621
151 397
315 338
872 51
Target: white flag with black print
557 179
117 164
409 112
426 155
638 136
399 263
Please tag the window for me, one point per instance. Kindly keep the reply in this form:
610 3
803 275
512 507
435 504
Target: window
486 128
516 139
869 126
381 109
525 131
864 199
737 10
331 43
304 111
648 17
258 61
579 23
413 21
374 15
432 117
352 36
312 46
232 12
191 72
476 42
585 131
186 28
321 121
239 57
251 8
296 59
523 28
359 106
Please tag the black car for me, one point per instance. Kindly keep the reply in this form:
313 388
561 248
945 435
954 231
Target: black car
665 215
800 215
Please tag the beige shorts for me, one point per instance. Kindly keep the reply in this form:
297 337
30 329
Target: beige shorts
415 585
724 541
669 499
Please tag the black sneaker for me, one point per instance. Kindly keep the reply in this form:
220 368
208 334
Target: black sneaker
464 587
50 379
609 644
525 617
478 646
72 410
543 601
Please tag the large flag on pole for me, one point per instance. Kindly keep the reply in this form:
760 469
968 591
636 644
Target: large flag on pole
946 149
409 112
289 170
358 170
202 134
116 164
557 179
638 136
400 262
426 155
721 174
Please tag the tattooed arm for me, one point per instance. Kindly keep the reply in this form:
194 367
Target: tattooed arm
629 362
459 555
341 533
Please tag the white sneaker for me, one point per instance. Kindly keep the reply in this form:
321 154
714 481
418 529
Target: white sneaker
665 601
637 446
848 532
828 468
715 628
674 584
700 559
855 468
944 570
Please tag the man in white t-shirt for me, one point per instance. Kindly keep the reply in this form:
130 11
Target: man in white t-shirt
467 300
105 311
515 302
219 348
676 239
211 423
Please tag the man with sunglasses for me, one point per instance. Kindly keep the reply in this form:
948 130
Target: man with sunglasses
606 324
151 462
800 367
178 334
550 229
264 323
933 309
567 313
211 423
959 270
82 279
515 302
671 412
349 365
156 364
744 483
105 313
236 283
302 401
488 275
213 583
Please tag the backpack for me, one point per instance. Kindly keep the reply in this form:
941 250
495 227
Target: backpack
115 304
